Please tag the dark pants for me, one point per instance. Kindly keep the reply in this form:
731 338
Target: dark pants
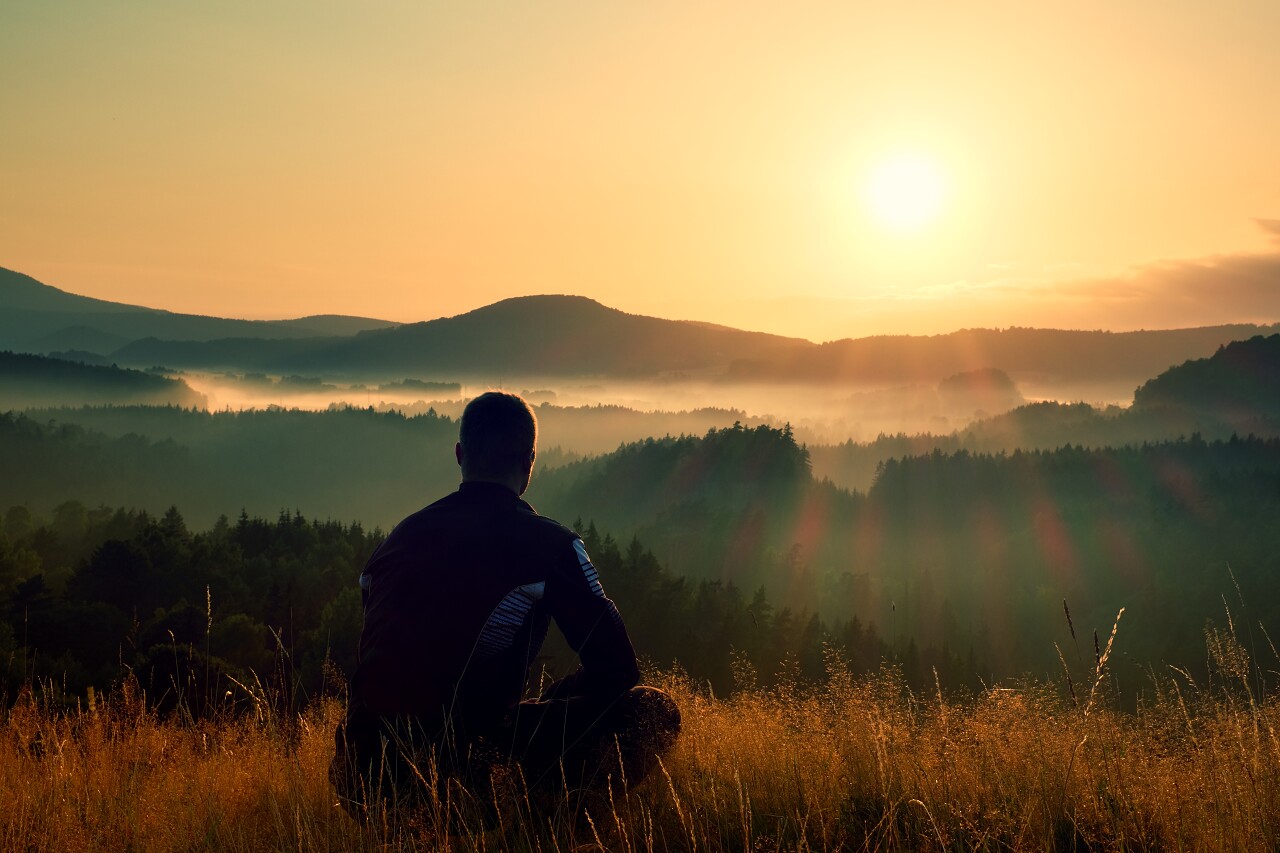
545 750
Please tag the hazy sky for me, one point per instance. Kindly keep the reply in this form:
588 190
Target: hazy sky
819 169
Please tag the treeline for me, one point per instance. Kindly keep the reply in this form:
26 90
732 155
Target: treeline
1175 532
709 628
954 549
1048 426
1236 391
35 380
342 463
599 428
263 607
736 505
92 594
964 549
348 463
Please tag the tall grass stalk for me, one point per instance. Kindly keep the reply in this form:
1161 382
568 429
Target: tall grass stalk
847 764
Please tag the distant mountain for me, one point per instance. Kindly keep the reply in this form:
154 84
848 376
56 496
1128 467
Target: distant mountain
546 336
35 317
238 354
81 357
576 336
1021 352
1238 382
79 338
28 381
526 336
552 335
339 325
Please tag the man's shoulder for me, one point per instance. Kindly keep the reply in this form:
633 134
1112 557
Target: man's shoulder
425 514
547 526
461 510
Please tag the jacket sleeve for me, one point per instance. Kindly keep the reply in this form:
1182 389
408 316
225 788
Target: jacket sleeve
593 627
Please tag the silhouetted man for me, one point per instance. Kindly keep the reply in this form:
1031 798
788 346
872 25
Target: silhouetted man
457 602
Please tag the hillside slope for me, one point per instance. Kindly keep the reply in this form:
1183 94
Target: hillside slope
554 335
30 380
35 317
1240 380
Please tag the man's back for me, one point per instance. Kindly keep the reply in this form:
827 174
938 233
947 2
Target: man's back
457 603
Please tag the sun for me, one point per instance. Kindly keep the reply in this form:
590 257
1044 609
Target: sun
904 192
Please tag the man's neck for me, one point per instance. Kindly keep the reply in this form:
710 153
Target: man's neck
512 484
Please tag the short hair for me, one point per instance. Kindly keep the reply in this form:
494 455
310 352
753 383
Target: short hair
498 433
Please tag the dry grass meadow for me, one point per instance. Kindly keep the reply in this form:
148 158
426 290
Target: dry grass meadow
849 764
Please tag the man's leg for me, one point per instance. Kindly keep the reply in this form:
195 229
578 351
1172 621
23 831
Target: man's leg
396 764
360 771
581 743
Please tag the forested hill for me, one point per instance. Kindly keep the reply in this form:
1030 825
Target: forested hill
737 504
1240 380
32 380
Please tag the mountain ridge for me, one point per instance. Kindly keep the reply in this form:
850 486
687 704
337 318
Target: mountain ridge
32 314
1064 353
577 336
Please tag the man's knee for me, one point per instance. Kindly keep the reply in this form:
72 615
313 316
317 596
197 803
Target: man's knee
652 714
646 723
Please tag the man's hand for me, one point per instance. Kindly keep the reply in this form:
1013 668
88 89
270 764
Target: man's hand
563 688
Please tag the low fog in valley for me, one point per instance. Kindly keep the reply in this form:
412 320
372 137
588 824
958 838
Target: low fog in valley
819 414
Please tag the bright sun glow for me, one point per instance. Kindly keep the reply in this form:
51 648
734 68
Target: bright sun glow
904 192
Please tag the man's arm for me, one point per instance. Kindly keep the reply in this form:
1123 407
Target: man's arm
594 629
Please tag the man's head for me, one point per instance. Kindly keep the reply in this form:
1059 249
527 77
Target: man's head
497 440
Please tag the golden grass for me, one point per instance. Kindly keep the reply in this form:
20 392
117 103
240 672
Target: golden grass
846 765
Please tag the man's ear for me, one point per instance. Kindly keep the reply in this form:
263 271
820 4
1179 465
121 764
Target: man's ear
457 452
526 474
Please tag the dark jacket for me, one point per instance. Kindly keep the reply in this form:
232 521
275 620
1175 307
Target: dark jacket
457 601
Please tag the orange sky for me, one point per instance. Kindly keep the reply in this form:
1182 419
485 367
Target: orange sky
1100 165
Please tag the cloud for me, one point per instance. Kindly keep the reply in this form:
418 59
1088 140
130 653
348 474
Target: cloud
1250 283
1209 291
1223 289
1271 226
1238 288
